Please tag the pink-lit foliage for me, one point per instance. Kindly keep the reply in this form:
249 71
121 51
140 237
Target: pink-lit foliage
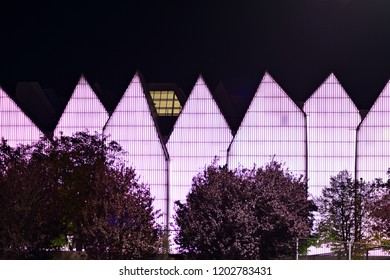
243 214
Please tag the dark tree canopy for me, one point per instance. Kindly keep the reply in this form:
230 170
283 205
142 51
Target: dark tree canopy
118 220
244 214
29 217
74 188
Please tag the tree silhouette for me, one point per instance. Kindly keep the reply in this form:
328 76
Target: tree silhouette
74 187
243 214
345 210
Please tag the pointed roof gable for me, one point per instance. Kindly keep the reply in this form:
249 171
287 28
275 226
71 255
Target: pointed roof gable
133 111
275 92
133 126
200 95
274 126
84 111
327 92
262 101
134 90
202 104
381 106
15 126
267 78
135 99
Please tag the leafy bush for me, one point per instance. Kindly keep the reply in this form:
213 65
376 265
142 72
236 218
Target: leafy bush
244 214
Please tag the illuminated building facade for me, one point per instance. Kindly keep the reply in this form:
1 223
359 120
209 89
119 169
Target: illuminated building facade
15 126
199 135
133 126
373 140
84 112
273 128
320 139
332 121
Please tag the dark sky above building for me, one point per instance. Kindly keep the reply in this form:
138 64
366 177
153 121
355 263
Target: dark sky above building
300 42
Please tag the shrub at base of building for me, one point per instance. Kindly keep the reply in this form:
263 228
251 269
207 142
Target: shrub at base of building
244 214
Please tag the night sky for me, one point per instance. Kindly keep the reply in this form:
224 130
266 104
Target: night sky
299 42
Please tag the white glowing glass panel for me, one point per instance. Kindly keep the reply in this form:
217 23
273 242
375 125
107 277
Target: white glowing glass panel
84 112
373 150
332 120
15 126
133 127
273 127
200 134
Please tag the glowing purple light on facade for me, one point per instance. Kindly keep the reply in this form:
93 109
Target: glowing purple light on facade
373 144
15 126
133 127
200 134
323 139
273 126
84 111
332 120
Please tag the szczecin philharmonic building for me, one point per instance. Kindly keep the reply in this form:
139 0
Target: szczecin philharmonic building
170 138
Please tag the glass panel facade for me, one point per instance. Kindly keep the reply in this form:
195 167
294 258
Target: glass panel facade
273 127
200 134
15 126
84 111
373 146
332 120
323 139
133 127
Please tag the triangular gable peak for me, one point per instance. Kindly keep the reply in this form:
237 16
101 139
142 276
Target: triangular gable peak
15 126
201 108
275 92
200 134
134 93
373 145
132 122
332 119
84 111
133 127
270 97
274 126
380 107
330 97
